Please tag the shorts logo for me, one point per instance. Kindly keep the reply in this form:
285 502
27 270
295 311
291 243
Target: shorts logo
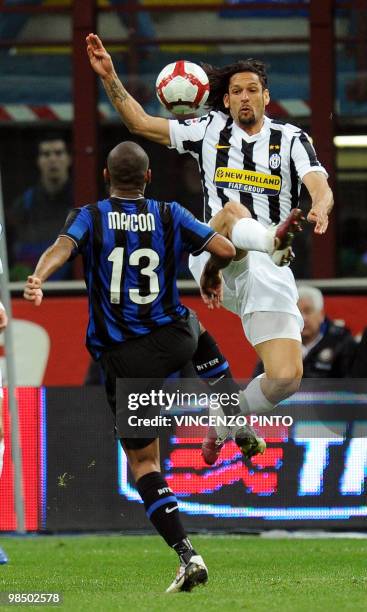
248 181
274 161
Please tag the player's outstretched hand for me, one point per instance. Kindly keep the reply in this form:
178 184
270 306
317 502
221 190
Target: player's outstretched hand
32 290
320 217
100 60
3 319
211 289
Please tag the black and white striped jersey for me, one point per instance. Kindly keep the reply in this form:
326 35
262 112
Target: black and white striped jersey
263 171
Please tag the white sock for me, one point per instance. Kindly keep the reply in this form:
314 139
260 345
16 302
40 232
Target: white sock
222 431
252 399
2 450
249 235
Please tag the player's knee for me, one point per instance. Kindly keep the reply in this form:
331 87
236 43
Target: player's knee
286 379
235 211
224 220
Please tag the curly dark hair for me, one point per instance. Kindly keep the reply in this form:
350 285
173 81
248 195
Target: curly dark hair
219 79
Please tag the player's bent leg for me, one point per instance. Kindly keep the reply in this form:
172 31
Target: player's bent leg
224 221
282 359
162 510
247 234
213 368
276 338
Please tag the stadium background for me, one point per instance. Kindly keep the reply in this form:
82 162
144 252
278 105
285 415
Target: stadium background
316 52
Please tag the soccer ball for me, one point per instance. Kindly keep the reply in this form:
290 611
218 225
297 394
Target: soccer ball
182 87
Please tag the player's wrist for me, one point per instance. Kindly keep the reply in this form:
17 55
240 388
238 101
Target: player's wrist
110 77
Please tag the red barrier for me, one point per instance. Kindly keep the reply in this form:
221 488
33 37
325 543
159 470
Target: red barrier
65 320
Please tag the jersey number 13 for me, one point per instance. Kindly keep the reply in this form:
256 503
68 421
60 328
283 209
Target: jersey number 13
117 258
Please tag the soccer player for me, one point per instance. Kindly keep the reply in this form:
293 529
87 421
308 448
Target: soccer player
251 169
3 324
138 328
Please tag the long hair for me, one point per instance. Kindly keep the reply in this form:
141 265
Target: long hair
219 80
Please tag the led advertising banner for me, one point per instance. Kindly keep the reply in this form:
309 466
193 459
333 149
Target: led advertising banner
312 475
32 423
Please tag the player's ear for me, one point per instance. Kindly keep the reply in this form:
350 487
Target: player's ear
148 176
226 100
266 95
106 176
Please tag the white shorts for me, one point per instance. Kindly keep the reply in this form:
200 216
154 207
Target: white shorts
254 284
1 386
262 326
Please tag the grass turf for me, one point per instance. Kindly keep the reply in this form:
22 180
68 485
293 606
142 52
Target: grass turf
108 573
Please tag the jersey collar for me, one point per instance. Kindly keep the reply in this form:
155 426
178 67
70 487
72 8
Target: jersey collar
258 135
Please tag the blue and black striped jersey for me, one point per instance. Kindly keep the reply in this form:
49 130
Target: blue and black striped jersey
131 251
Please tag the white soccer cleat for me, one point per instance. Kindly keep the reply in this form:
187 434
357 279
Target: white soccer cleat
190 575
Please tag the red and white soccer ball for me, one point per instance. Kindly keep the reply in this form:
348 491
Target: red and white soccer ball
182 87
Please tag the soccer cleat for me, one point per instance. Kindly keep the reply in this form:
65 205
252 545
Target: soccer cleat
3 557
189 575
211 446
249 442
283 235
246 438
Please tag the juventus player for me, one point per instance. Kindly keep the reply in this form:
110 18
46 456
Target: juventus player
3 324
251 169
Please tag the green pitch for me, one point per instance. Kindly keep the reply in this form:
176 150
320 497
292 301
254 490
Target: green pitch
245 573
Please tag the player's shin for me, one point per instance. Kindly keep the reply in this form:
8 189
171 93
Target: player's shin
162 510
249 235
253 400
213 369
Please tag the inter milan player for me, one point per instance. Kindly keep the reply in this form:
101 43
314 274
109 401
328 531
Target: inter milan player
3 324
251 169
138 328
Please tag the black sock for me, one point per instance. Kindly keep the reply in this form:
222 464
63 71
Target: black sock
184 550
161 507
212 367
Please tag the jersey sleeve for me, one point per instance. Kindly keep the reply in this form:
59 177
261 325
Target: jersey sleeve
304 156
77 227
195 235
187 135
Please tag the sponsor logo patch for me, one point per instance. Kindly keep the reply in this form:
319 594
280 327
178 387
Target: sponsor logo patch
248 181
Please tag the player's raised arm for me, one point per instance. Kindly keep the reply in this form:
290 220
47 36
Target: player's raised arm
50 261
322 200
131 112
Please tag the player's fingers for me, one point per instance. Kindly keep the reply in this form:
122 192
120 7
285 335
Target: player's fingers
38 297
205 296
97 41
33 281
100 54
321 225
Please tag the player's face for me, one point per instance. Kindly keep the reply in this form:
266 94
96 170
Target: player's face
246 100
53 160
312 318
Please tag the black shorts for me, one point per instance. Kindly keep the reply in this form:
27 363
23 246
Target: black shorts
152 357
